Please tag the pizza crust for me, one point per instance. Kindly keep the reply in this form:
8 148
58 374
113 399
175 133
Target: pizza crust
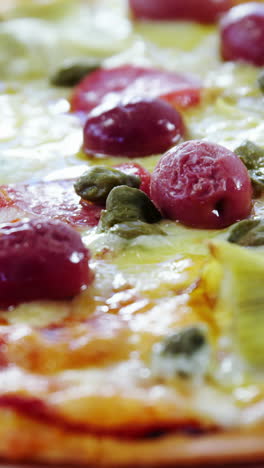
25 440
22 439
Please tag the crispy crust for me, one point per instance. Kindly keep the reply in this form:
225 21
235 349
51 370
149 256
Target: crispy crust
22 439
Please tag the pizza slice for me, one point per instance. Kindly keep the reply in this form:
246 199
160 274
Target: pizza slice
131 233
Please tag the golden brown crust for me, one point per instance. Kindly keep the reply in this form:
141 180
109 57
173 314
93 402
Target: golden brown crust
24 440
78 345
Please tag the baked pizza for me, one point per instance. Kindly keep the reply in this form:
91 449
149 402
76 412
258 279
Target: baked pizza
131 232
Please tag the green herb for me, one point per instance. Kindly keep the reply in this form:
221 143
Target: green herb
96 183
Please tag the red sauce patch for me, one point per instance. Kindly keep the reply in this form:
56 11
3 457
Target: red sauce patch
126 82
36 409
203 11
52 200
132 168
4 362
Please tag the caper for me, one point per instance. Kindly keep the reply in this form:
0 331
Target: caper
132 229
96 183
185 353
261 81
72 72
127 204
249 232
253 157
186 341
250 154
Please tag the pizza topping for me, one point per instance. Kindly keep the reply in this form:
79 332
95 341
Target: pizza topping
96 183
72 72
127 211
43 411
202 184
132 229
184 354
249 232
135 169
129 204
140 128
251 154
242 33
202 11
53 200
48 10
41 259
241 299
125 83
253 158
261 82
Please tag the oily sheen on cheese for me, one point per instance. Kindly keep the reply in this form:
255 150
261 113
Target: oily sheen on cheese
78 372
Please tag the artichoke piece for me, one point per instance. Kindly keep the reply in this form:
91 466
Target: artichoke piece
242 299
185 353
96 183
44 10
125 204
253 158
249 233
72 72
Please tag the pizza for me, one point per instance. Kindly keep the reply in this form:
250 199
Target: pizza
131 232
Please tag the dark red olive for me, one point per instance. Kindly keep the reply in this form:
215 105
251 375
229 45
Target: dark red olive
242 34
41 259
140 128
202 184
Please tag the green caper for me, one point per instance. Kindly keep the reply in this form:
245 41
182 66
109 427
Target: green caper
72 72
132 229
250 154
96 183
249 232
187 341
253 157
257 179
127 204
185 353
261 81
